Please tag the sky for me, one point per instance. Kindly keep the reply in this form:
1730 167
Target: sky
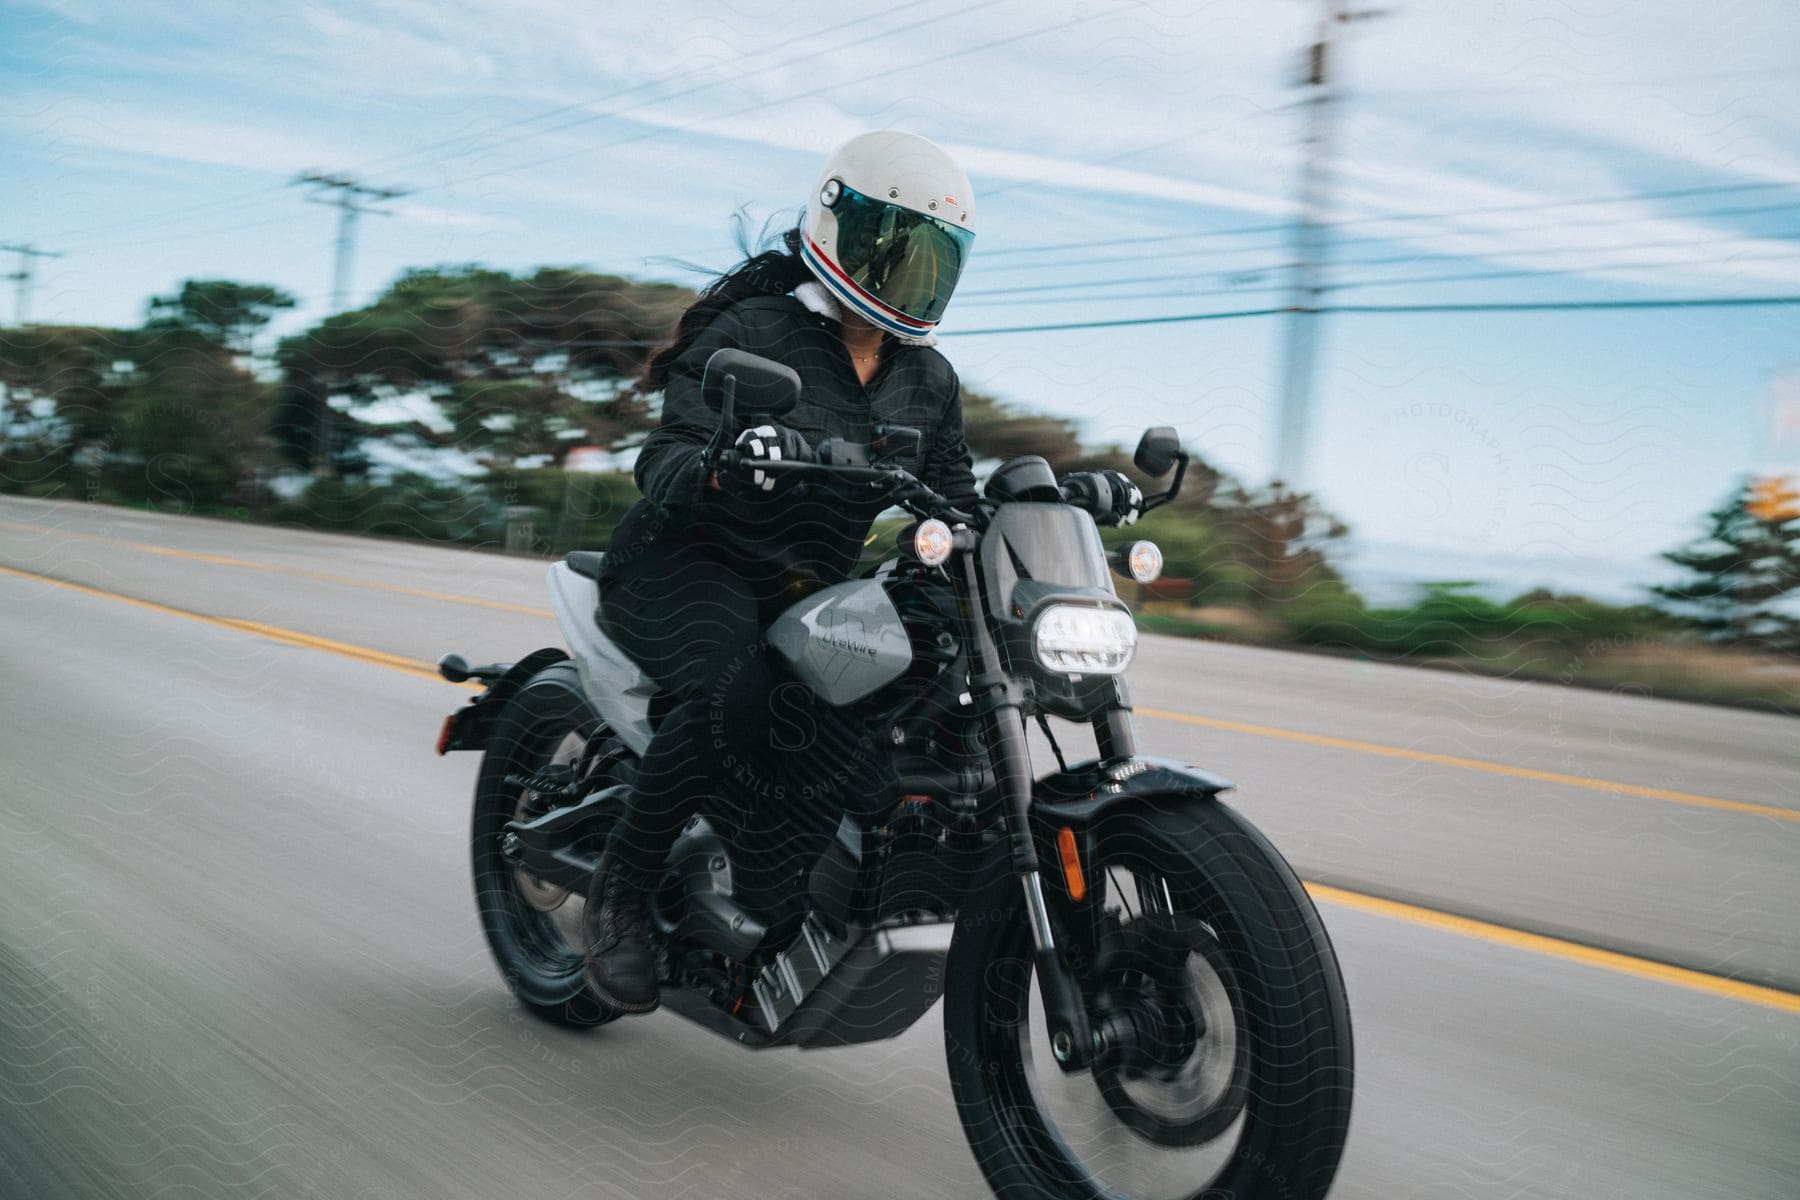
1129 160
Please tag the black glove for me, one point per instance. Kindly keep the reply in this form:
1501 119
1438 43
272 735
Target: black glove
776 443
1108 495
1127 500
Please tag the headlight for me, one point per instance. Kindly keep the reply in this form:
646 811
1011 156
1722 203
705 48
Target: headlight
1072 640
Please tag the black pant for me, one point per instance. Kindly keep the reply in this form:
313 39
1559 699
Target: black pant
696 627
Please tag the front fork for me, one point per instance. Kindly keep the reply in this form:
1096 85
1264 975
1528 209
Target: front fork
1072 1042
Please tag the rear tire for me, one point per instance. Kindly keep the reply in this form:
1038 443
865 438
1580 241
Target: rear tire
1287 1098
531 932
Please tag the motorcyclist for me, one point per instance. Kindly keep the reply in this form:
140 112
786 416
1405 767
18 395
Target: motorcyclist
697 568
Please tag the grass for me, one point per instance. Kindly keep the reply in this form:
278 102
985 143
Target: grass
1660 667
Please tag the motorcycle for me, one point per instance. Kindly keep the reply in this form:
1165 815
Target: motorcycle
1139 998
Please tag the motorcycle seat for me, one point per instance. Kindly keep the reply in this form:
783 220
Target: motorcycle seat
586 563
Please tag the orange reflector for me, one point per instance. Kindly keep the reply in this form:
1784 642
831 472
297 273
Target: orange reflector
1071 861
443 742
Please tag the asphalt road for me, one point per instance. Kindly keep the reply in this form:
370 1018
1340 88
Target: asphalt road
238 955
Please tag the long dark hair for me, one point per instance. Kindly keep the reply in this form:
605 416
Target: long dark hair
775 271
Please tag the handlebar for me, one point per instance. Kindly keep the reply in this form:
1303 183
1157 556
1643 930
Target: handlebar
907 490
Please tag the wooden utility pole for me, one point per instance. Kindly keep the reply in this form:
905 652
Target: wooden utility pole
23 278
351 198
1311 243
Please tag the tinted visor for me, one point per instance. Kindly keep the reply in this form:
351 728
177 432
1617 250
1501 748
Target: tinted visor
907 260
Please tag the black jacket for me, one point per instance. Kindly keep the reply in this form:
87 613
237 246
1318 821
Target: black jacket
816 529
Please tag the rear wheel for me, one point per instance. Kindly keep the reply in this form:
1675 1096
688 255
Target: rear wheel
548 733
1206 968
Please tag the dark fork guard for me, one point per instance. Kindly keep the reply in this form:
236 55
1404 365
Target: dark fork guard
1065 1015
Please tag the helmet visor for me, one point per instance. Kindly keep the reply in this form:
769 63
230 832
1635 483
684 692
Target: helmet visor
907 260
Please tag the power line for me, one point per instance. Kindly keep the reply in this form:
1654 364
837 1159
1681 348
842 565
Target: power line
1392 238
1183 319
1586 86
1543 250
671 77
1353 309
1404 281
1385 238
1084 289
244 199
1575 305
1162 294
1127 281
1397 218
785 64
1540 272
786 98
163 239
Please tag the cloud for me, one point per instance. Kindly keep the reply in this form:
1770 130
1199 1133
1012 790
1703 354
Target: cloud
77 125
1185 108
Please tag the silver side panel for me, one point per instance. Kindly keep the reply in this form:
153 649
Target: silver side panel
844 641
620 692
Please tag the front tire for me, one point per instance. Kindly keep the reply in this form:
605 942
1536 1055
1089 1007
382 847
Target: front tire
1245 1097
533 928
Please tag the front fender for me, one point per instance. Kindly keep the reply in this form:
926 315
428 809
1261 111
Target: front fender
1078 796
1068 807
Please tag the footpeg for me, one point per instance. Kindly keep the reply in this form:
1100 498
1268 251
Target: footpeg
555 785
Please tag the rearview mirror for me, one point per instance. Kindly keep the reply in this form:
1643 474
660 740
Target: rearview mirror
1157 451
760 387
895 441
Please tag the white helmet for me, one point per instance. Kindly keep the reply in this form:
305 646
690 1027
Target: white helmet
888 230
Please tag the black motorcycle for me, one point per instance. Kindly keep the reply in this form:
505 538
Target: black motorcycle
1139 997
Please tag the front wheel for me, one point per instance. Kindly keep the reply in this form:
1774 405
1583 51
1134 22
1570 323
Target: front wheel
1204 964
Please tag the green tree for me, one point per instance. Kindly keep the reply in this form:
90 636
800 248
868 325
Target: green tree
521 365
998 430
222 311
194 433
161 413
1739 573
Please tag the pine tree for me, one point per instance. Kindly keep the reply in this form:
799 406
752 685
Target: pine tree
1741 571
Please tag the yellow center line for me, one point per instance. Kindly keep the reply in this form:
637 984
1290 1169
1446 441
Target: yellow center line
1267 731
273 633
299 572
1476 764
1537 943
1642 968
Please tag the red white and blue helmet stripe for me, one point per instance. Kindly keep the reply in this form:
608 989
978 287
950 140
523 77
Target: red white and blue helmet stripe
880 315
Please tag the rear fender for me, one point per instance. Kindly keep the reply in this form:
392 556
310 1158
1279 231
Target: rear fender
467 728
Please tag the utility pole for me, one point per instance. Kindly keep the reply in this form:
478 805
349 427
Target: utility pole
351 198
22 277
1311 245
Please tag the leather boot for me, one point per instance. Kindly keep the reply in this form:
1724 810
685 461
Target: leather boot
621 965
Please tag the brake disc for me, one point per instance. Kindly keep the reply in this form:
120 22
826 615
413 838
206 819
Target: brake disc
1178 1077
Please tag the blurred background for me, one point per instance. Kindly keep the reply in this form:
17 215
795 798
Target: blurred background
1497 299
1481 318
